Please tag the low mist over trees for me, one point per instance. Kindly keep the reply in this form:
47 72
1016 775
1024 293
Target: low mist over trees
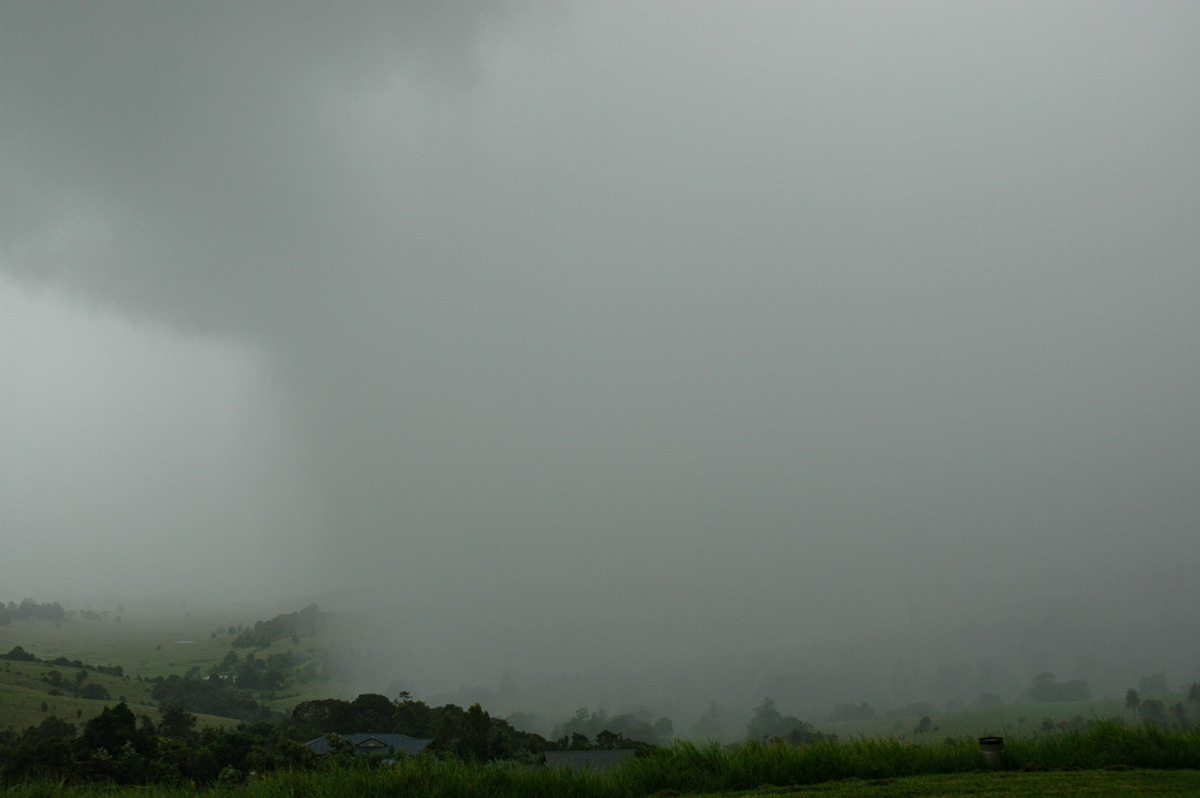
716 721
1046 687
637 726
1153 683
861 711
30 610
293 624
768 723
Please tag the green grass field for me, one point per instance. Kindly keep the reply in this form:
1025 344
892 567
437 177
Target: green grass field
146 645
24 692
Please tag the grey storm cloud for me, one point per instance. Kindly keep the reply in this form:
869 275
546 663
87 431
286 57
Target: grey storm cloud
672 314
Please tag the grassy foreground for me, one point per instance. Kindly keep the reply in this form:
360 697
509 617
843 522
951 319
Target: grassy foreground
1055 783
1105 759
1074 783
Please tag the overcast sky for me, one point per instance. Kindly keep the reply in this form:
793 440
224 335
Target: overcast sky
659 323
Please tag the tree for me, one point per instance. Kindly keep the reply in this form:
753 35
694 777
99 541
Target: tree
176 722
95 691
1132 701
414 718
476 725
765 720
608 739
112 729
44 758
1154 711
323 715
18 654
449 733
1045 687
371 712
338 746
710 724
50 728
768 722
807 733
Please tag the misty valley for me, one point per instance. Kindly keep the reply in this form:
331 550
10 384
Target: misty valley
161 693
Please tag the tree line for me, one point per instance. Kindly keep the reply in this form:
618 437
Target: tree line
120 747
19 654
291 624
30 610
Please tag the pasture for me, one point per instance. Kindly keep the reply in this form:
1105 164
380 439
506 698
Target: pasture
146 643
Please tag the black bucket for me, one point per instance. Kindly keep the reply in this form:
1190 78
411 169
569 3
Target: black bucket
992 749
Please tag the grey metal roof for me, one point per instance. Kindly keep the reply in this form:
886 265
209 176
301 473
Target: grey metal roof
593 760
368 743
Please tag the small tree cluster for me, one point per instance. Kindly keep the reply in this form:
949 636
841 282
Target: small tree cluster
30 610
1046 688
290 625
613 731
470 733
767 723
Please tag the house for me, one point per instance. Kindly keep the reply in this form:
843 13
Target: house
365 743
586 760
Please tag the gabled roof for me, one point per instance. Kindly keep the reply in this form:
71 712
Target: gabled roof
368 743
589 760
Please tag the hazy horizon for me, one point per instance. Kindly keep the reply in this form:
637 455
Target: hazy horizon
581 338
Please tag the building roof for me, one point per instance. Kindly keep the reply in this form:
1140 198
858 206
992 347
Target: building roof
587 760
370 743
